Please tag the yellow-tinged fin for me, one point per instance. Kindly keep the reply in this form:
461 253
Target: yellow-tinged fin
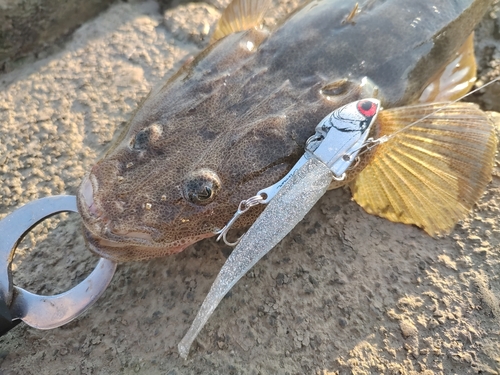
240 15
350 16
455 79
432 173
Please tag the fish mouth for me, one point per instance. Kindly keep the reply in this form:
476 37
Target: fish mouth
120 251
107 241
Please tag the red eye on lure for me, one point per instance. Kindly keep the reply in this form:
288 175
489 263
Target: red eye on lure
367 108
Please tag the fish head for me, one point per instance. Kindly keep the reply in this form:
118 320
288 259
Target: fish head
160 190
219 131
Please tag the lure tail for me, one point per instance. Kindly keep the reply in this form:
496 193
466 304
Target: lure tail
291 203
432 173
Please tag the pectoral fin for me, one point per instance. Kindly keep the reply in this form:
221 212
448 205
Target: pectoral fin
431 174
240 15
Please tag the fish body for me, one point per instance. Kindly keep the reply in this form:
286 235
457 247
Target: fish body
236 118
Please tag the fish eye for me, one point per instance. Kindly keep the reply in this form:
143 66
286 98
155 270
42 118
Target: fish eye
141 140
148 136
201 187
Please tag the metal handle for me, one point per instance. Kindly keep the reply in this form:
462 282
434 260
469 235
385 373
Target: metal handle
45 312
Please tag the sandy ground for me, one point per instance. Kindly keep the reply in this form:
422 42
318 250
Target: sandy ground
344 293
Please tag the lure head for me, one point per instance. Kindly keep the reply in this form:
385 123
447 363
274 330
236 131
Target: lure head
342 134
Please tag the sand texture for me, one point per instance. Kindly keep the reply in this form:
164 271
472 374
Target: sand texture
343 293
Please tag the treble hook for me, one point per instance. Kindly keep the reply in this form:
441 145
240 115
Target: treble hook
243 207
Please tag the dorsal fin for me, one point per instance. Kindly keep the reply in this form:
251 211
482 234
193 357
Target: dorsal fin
455 79
351 15
240 15
432 173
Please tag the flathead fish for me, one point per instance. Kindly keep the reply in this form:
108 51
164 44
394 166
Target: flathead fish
235 119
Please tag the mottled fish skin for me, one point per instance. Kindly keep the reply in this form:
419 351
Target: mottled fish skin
236 119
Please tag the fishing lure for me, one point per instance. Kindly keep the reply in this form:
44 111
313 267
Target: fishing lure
339 138
330 152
